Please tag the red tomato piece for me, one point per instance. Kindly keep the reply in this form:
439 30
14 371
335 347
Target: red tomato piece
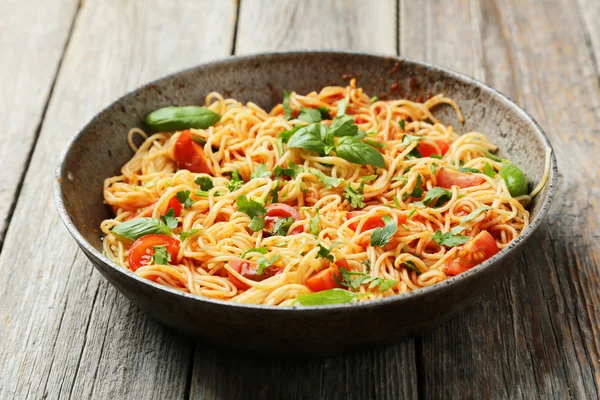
142 250
427 149
250 271
474 252
281 210
447 178
190 155
175 205
375 221
325 280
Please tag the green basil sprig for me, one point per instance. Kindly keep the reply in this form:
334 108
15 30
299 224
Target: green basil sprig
137 227
515 179
171 119
327 297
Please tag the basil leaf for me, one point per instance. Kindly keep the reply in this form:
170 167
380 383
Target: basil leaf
324 113
310 115
274 193
260 250
448 239
160 256
287 110
374 99
326 297
286 135
343 126
326 180
493 157
171 119
358 152
310 138
185 235
489 171
437 197
515 179
375 144
260 171
183 196
410 213
204 182
414 153
381 236
402 123
137 227
474 214
473 170
438 157
251 208
418 191
169 219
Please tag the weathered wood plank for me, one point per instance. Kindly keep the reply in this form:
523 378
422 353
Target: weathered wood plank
266 25
388 373
32 41
64 332
536 334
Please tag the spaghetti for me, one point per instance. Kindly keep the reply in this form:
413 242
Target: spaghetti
263 220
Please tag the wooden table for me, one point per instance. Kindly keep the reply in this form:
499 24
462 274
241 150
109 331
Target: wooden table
65 333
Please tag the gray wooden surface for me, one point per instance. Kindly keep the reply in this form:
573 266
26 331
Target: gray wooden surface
65 333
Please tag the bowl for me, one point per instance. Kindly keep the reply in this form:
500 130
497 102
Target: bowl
100 149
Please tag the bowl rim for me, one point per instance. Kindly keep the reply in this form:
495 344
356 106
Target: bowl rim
417 293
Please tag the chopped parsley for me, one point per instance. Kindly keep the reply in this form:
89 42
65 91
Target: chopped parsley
448 239
183 196
204 182
282 226
263 263
474 214
381 236
254 210
412 266
325 252
353 280
260 250
437 197
260 171
185 235
169 219
402 123
326 180
160 256
236 182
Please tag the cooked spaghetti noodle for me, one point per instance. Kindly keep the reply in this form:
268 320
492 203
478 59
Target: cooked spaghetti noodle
332 224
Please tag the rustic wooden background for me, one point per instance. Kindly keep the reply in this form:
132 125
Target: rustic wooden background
65 333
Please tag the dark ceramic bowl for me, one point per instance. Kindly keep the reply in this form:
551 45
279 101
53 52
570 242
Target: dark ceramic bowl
100 149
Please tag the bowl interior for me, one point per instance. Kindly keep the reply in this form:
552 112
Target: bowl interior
100 149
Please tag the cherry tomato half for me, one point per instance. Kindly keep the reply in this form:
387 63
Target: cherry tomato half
375 221
250 271
281 210
175 205
142 250
447 178
189 154
427 149
325 280
475 251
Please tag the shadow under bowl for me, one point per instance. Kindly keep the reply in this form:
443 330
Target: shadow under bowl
100 149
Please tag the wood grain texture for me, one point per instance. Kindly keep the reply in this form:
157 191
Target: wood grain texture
536 334
64 332
266 25
387 373
32 42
